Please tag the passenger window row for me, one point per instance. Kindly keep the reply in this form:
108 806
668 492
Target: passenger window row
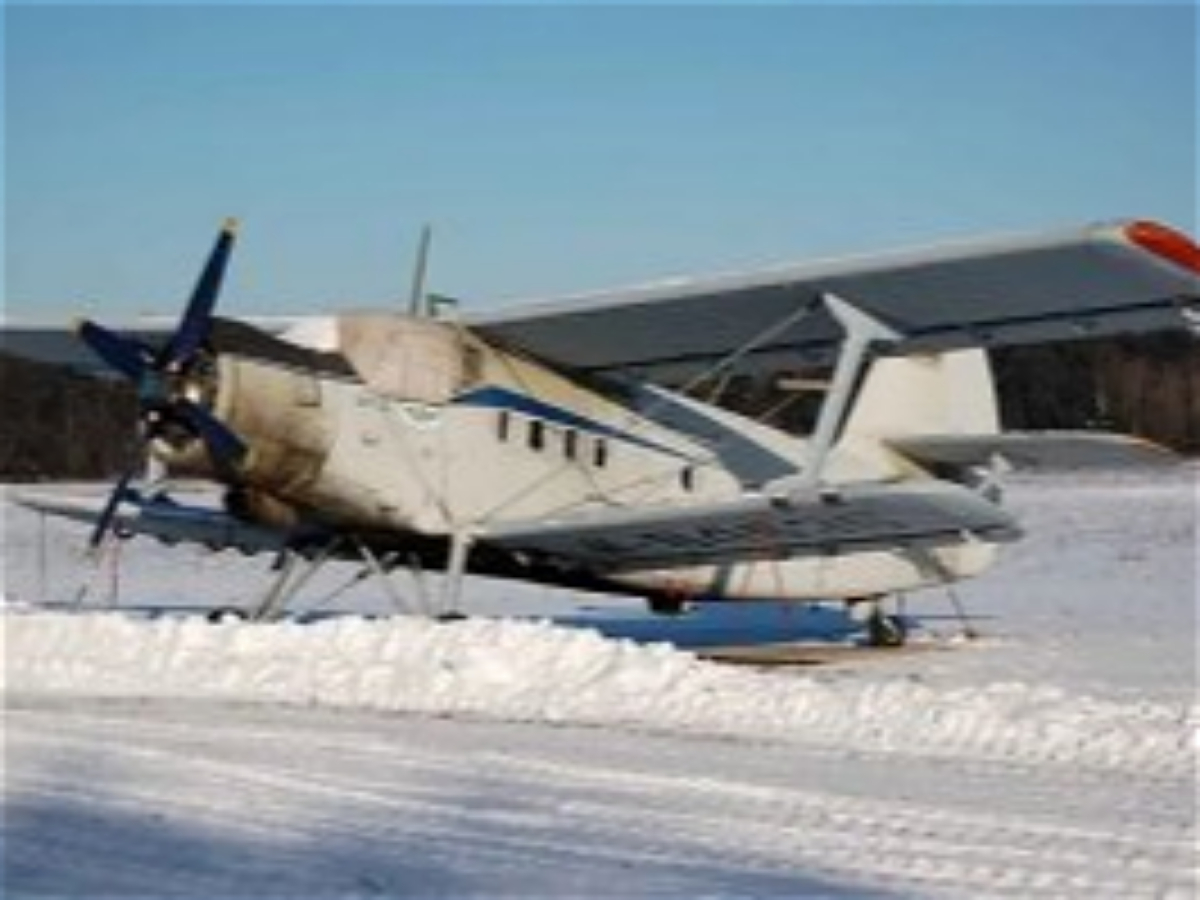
537 438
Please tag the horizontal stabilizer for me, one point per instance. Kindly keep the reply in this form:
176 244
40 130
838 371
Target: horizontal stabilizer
1034 450
853 519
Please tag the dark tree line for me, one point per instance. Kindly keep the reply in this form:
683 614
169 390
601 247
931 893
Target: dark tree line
58 424
1149 386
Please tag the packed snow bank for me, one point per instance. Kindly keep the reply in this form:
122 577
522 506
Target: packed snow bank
529 671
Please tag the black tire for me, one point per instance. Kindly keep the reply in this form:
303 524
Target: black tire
663 605
224 614
886 631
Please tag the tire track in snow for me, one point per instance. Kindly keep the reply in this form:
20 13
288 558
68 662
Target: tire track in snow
343 807
361 779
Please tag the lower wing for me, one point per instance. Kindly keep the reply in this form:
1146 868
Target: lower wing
166 520
852 519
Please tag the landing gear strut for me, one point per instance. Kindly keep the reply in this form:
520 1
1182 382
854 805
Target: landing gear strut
294 570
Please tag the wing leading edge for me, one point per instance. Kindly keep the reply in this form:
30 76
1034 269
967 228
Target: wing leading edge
165 520
1089 282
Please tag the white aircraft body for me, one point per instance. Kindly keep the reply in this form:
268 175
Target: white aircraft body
540 443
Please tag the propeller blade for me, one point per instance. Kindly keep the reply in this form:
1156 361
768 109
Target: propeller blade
119 492
226 449
126 356
196 321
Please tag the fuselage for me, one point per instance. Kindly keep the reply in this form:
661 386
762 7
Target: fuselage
427 431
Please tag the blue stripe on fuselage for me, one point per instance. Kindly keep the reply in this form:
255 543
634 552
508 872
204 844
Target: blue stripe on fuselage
504 399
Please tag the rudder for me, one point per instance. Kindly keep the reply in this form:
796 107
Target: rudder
935 394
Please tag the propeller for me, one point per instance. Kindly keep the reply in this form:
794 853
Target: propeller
196 321
164 379
119 492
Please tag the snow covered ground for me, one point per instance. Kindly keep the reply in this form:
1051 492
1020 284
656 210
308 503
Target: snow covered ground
384 756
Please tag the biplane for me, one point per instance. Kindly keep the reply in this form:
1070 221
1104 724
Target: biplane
564 442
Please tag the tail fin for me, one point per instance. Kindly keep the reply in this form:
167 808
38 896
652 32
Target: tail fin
940 412
939 394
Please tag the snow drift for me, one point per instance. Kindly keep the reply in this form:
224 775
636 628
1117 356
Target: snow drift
535 671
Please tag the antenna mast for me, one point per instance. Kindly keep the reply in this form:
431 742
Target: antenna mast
417 305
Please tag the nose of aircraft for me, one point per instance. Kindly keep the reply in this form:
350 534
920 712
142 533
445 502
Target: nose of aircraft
170 381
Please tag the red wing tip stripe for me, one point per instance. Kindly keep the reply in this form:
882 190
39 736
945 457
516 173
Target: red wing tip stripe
1166 243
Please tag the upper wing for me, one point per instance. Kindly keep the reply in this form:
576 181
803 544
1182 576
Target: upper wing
857 518
1089 282
1105 279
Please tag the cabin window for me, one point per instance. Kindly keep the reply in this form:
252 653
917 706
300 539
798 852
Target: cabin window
570 444
687 478
537 434
503 425
600 453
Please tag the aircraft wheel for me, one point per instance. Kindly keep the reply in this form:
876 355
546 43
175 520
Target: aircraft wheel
668 605
224 614
886 631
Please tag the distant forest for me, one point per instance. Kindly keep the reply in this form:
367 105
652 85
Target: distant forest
58 424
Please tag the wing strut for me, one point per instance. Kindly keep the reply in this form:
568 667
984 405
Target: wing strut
461 541
862 333
289 581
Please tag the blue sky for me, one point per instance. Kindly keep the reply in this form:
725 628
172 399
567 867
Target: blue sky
563 149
